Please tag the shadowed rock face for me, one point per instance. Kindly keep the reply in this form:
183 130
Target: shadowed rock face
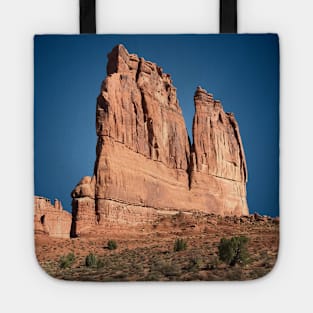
145 164
51 219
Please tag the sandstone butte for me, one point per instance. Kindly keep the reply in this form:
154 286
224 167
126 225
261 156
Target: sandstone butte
51 219
145 163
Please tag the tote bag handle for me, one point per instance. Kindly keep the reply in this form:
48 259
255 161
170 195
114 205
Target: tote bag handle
228 16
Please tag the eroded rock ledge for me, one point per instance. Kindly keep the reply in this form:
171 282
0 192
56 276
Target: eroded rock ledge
50 219
145 163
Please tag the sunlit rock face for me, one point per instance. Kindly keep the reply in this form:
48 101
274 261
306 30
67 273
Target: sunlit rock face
50 219
145 163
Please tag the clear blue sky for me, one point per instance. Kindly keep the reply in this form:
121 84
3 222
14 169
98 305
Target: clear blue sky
240 70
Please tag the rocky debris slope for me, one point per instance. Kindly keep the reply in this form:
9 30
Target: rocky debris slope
51 219
145 163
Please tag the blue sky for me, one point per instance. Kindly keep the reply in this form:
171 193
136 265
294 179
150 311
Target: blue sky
240 70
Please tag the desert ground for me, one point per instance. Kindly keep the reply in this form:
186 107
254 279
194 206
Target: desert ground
147 254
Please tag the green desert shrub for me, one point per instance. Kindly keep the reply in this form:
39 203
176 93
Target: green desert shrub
180 244
112 245
67 260
91 260
234 250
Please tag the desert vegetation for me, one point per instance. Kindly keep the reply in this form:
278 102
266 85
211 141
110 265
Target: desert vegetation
91 260
234 250
67 260
112 245
180 245
178 248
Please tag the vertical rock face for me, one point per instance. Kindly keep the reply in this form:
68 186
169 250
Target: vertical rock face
145 164
217 145
51 219
218 166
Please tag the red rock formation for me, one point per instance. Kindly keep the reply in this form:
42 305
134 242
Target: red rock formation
218 165
145 165
51 219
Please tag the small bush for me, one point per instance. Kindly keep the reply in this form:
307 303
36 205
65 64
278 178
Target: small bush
112 245
67 260
213 263
166 268
235 274
90 260
152 277
180 245
100 263
171 270
234 250
195 263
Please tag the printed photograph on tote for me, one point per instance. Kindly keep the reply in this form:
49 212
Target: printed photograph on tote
156 157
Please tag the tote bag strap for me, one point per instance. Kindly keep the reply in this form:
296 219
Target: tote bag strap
228 16
87 16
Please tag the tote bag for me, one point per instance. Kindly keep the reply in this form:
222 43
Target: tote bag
156 156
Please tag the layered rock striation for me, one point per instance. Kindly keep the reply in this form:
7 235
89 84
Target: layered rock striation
51 219
145 162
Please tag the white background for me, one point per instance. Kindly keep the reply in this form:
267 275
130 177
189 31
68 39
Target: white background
26 287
